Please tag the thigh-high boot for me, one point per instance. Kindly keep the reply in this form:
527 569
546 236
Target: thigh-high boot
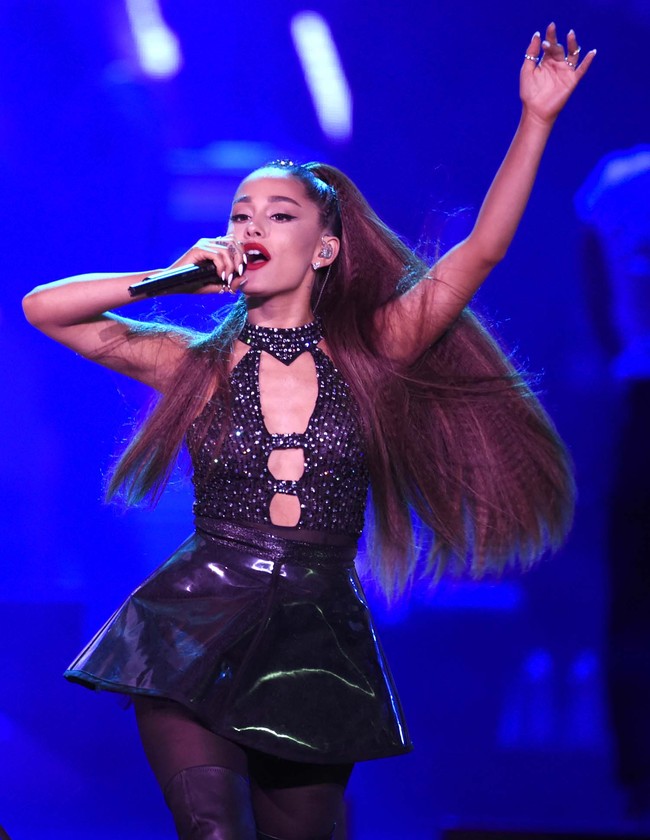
211 803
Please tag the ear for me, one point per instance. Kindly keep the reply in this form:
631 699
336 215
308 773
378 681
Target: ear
327 250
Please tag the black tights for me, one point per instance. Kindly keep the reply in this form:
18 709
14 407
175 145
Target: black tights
291 800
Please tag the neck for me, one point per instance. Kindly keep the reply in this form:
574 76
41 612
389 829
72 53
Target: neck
278 313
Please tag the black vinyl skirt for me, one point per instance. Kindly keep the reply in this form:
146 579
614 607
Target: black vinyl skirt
268 641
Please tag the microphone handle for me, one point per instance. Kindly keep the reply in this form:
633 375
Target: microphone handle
198 274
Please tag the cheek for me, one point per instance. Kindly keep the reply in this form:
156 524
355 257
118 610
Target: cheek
302 247
286 248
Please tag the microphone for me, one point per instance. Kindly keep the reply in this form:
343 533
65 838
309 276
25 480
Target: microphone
197 275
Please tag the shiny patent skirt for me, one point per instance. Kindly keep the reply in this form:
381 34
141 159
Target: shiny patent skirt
268 641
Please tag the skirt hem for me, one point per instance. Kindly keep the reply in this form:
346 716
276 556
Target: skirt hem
94 683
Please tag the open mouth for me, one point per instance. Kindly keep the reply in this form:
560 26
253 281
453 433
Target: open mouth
257 256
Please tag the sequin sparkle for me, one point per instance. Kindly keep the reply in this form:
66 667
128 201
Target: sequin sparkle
236 484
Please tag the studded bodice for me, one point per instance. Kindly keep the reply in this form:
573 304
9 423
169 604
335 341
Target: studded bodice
236 483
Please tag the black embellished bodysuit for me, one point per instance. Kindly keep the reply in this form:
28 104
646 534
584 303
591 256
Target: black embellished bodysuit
237 484
268 640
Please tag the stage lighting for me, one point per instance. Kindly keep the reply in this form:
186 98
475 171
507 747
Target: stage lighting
324 74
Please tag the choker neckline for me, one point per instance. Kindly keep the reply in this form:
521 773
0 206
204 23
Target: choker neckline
284 343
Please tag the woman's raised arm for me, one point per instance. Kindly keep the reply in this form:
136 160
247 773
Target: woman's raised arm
76 312
414 321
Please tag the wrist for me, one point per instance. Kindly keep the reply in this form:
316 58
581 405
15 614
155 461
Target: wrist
540 122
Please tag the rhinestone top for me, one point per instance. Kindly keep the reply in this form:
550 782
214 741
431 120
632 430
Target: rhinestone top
236 484
286 344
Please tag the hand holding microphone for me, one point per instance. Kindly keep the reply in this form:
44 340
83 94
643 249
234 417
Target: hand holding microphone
211 262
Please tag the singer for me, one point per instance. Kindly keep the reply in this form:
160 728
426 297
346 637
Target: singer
345 363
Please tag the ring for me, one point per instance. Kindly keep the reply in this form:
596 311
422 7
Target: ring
569 63
530 57
576 52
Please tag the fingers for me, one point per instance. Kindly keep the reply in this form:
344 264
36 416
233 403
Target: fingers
531 55
573 48
552 49
585 64
574 51
228 257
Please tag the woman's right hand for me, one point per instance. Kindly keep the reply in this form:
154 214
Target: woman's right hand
229 258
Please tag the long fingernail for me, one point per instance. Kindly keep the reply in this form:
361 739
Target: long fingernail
242 284
546 43
536 35
223 276
230 276
245 258
241 269
571 32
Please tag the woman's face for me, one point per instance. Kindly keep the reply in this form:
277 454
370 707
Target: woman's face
280 229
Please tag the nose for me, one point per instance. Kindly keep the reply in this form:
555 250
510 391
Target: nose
254 228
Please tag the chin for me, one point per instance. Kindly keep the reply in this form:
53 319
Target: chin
253 293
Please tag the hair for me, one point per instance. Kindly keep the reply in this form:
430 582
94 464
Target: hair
456 438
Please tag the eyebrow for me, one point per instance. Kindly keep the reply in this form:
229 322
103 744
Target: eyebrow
271 199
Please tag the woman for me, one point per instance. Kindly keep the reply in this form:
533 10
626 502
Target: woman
256 675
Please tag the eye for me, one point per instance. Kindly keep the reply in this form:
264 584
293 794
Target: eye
282 217
238 217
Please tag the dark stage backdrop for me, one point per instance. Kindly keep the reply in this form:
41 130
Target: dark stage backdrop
106 167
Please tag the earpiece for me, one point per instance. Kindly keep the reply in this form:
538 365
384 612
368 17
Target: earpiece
326 251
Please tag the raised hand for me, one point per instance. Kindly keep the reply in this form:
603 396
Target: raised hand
549 76
228 256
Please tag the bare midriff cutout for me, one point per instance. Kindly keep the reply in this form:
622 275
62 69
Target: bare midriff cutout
284 509
287 464
288 395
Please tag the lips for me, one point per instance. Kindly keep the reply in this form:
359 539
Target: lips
257 255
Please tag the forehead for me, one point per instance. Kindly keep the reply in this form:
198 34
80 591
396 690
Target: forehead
266 183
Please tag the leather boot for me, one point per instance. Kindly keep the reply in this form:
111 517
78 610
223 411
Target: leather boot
211 803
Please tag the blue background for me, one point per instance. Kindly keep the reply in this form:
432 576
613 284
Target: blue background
103 168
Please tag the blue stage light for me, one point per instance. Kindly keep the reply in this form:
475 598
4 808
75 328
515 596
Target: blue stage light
157 47
324 74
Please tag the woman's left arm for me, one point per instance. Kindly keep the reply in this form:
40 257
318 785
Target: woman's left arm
414 321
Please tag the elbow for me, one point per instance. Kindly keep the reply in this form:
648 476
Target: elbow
492 257
484 267
32 307
487 253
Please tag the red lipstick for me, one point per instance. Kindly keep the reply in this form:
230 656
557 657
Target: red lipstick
257 256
